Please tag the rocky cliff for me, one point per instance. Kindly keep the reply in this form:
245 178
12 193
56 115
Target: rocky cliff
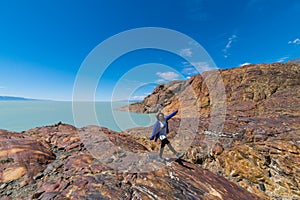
259 145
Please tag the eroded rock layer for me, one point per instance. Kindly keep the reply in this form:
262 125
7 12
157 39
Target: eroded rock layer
71 172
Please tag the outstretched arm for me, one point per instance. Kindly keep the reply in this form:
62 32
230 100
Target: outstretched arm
171 115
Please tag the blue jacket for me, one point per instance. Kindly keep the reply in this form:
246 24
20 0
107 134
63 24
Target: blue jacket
156 127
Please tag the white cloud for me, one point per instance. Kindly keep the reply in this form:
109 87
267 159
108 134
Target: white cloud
193 68
231 39
167 76
203 66
282 59
189 71
244 64
186 52
295 41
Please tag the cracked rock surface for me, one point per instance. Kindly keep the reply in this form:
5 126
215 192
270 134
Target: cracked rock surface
61 167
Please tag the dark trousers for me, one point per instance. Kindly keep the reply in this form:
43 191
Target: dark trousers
164 142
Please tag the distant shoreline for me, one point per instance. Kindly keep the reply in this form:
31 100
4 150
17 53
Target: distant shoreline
12 98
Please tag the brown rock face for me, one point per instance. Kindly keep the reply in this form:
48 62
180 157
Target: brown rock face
260 142
245 87
75 174
162 96
21 157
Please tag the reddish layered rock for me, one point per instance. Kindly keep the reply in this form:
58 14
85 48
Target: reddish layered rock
76 174
21 157
273 162
245 87
258 147
161 96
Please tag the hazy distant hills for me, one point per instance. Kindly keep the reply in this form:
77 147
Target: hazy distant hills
11 98
297 61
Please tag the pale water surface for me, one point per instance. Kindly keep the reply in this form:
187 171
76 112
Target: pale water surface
23 115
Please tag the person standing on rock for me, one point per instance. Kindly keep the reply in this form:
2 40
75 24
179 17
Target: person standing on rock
160 130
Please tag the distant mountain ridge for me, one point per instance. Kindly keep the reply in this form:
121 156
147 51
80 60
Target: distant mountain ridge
296 61
12 98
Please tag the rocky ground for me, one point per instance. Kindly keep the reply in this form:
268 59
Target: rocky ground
259 145
53 163
255 156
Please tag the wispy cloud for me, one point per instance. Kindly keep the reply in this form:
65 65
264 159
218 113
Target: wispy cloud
167 76
190 71
230 41
295 41
194 68
244 64
282 59
203 66
186 52
2 87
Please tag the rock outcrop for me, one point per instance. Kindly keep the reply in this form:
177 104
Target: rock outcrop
61 167
161 96
245 88
259 146
21 157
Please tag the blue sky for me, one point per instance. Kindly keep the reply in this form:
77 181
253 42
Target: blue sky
43 43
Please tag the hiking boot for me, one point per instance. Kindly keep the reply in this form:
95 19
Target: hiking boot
179 155
160 159
166 159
